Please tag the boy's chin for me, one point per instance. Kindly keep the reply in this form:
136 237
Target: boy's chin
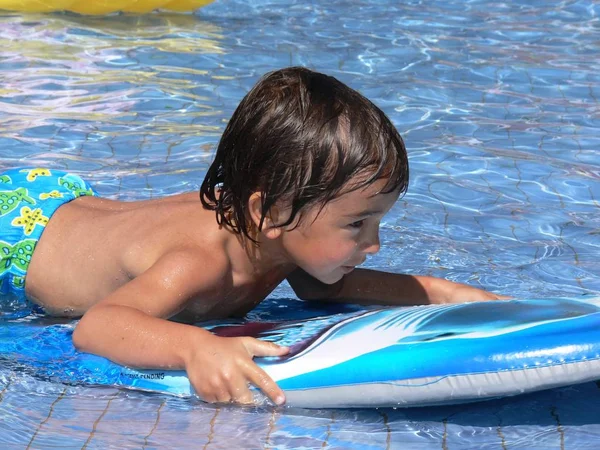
331 278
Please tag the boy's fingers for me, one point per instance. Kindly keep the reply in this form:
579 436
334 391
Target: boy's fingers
256 347
240 391
219 395
244 397
223 398
261 380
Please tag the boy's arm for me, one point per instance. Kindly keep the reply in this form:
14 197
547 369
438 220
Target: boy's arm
372 287
129 328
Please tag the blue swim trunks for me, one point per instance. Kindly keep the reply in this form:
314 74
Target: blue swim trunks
28 198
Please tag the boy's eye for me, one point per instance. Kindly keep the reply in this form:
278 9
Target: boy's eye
357 224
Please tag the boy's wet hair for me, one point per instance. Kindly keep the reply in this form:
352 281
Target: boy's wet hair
299 137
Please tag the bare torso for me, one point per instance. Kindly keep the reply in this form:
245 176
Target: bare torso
93 246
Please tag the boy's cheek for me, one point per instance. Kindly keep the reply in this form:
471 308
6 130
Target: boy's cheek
325 257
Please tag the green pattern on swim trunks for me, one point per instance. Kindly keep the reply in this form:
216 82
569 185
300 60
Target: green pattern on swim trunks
75 187
10 200
18 255
18 282
5 179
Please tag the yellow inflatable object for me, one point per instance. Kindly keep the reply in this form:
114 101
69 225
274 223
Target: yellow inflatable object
101 6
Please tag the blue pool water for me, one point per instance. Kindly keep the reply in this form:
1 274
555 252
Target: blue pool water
498 103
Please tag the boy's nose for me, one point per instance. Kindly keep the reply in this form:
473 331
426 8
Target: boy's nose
371 244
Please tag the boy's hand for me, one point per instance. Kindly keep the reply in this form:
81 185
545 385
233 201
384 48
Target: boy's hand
220 369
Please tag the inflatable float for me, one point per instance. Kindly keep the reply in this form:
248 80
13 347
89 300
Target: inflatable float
400 357
101 6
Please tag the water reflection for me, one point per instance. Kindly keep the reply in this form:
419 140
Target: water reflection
498 105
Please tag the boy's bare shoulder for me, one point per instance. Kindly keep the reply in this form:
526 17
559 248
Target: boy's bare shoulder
173 241
195 270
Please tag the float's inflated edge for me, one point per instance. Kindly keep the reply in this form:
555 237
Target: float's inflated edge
426 391
400 357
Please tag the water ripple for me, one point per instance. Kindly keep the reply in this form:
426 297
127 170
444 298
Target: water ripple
498 103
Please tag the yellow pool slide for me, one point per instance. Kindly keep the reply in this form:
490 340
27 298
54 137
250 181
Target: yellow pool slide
96 7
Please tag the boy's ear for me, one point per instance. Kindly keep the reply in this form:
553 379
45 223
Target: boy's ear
268 226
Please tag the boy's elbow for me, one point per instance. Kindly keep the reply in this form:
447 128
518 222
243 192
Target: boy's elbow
78 338
81 336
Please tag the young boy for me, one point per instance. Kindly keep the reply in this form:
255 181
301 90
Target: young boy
303 174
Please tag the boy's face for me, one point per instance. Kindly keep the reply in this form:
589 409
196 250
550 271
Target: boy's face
342 235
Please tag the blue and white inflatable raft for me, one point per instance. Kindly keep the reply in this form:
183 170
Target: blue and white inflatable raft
400 357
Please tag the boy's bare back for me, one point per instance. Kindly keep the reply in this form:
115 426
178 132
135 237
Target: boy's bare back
93 246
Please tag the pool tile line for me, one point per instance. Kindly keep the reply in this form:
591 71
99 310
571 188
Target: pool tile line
270 429
43 422
8 383
325 443
591 91
520 180
569 246
388 430
169 151
442 204
594 201
559 427
155 424
445 434
113 152
500 433
211 431
97 421
541 148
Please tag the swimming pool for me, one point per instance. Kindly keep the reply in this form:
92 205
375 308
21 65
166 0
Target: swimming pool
499 107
